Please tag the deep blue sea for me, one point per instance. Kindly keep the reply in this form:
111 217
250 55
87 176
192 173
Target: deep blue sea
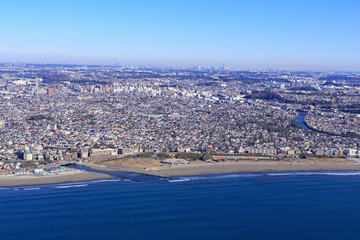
303 205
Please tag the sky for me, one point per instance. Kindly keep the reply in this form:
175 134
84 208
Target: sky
271 34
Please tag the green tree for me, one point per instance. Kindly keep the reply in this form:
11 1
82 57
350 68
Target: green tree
145 154
163 155
206 156
189 156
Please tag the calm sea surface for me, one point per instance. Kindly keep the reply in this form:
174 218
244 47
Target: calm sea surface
234 206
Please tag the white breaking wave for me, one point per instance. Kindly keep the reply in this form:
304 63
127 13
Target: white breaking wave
357 173
246 175
27 189
240 175
344 173
72 186
285 174
180 180
106 180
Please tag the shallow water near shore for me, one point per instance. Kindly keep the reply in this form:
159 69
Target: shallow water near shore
297 205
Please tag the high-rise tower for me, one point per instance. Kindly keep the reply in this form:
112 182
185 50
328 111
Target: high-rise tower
36 84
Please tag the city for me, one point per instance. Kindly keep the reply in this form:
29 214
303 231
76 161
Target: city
173 120
55 114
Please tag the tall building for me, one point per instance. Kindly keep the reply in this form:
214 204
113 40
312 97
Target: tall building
27 154
36 84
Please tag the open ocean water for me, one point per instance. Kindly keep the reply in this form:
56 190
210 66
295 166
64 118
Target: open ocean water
302 205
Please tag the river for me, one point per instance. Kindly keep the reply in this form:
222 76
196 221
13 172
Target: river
300 120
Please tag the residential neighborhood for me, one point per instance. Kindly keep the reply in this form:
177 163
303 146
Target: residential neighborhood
56 113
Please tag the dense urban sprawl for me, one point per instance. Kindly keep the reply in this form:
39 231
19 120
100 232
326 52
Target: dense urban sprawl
57 113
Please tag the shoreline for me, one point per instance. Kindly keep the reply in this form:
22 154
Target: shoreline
169 171
70 177
227 167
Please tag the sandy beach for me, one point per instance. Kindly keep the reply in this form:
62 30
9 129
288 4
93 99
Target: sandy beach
230 167
72 176
220 168
166 170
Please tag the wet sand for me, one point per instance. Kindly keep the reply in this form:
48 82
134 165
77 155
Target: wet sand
73 176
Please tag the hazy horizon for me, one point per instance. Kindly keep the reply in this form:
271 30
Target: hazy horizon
185 66
278 35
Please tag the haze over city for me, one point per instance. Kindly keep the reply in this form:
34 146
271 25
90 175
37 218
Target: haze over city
301 35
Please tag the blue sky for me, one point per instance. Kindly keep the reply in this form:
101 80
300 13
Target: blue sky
317 34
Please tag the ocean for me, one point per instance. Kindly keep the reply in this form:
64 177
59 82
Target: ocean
301 205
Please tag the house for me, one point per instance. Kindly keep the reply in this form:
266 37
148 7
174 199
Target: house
38 170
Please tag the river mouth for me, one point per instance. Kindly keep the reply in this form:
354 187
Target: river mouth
135 177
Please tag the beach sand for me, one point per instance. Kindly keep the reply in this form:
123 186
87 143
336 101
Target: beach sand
67 177
165 170
219 168
232 167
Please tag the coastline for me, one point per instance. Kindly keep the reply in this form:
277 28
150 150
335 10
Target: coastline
73 176
169 171
228 167
224 168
